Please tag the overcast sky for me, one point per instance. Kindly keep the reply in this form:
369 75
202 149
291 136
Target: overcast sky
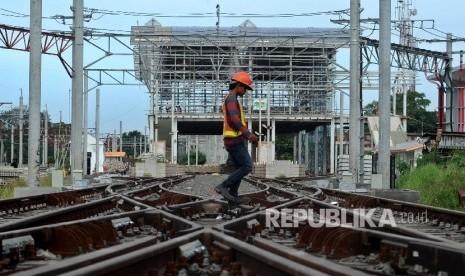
129 103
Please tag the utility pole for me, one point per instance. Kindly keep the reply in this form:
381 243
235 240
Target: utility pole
35 61
355 112
21 118
77 87
97 130
384 156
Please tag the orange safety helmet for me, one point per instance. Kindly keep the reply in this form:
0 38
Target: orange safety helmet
243 78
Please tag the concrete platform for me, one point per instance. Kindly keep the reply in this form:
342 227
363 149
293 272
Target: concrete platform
28 191
403 195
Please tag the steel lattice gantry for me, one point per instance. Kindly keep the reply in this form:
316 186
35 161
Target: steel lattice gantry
194 63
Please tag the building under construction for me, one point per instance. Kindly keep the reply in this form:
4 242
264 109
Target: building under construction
186 70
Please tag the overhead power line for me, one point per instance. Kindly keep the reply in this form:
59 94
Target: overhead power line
213 14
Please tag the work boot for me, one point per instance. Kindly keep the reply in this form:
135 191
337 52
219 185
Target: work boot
224 192
241 200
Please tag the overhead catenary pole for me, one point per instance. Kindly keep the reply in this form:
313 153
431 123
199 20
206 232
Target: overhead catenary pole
152 110
341 123
140 145
84 124
384 92
134 147
120 137
77 88
97 130
145 139
45 156
35 60
355 112
21 119
12 144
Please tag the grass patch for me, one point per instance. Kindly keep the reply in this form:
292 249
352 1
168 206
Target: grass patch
8 190
438 184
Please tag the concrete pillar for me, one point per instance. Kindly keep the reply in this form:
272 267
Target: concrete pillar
299 151
45 157
341 123
273 140
155 116
324 144
249 122
120 135
2 154
145 139
97 130
55 151
134 148
384 92
151 110
332 146
404 106
188 149
355 112
84 124
174 134
306 141
77 87
394 98
174 141
295 149
12 144
196 150
35 61
21 119
151 125
317 147
114 143
140 145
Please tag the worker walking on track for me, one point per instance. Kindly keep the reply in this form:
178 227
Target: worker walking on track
236 134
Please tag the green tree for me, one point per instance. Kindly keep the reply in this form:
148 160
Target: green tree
285 147
202 159
419 119
128 142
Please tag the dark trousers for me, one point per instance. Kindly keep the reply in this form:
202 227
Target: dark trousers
239 156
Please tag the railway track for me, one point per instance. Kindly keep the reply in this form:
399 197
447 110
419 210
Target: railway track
205 252
129 184
106 206
343 250
411 218
64 246
209 212
15 209
124 226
